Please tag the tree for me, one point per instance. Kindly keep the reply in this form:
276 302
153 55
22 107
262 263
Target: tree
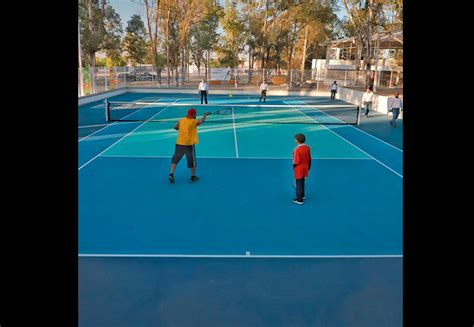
204 36
233 41
366 17
92 31
111 42
318 15
152 11
134 42
185 20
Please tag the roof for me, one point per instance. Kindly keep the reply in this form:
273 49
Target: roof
381 37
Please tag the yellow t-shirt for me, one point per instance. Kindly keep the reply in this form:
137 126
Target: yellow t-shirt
187 132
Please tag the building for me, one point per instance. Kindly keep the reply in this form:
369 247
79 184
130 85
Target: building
340 60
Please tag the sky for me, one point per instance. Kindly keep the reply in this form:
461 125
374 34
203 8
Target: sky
127 8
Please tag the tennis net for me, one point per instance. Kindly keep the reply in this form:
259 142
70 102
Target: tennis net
288 113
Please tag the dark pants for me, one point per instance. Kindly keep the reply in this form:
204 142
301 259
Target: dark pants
395 113
368 106
300 189
180 151
333 94
204 94
264 96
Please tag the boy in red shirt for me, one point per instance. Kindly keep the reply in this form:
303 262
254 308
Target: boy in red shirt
301 166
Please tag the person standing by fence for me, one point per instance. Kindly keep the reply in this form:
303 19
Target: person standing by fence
263 91
396 104
333 90
203 90
367 99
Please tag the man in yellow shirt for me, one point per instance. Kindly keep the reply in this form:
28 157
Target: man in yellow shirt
187 138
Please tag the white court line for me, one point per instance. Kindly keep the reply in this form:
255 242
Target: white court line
235 136
122 122
250 158
88 126
358 129
251 256
124 136
393 171
107 125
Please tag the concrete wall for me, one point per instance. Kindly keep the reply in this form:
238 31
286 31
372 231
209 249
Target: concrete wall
355 97
100 96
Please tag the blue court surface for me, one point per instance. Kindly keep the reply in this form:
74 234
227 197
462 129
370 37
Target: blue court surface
233 249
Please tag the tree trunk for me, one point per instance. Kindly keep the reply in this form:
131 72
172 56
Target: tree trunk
183 64
250 66
290 75
91 54
376 79
369 47
168 42
304 52
150 35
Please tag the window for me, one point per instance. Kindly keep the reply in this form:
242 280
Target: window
332 53
344 54
347 54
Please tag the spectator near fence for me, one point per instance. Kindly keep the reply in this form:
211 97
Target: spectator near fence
333 90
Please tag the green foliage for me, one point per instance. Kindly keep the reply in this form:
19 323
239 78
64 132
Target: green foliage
204 36
101 62
160 58
276 34
134 42
115 62
100 29
232 42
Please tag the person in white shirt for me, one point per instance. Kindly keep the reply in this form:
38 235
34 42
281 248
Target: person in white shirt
367 100
333 90
395 105
203 90
263 91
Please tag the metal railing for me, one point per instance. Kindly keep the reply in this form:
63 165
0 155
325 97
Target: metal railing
102 79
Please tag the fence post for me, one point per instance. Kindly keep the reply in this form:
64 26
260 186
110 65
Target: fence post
235 77
291 77
106 86
92 81
125 78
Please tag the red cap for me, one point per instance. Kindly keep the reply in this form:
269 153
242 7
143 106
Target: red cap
191 112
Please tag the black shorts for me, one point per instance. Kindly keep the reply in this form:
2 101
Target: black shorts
187 150
264 92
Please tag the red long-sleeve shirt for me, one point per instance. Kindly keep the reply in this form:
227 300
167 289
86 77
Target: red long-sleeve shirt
301 161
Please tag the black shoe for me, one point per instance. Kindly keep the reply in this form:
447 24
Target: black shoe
298 201
391 123
171 178
193 179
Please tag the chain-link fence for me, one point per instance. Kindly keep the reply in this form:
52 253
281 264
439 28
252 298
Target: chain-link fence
102 79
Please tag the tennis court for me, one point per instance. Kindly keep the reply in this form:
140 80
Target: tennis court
131 217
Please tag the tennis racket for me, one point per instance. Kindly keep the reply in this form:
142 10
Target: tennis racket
225 111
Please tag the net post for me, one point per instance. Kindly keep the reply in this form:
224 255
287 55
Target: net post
107 112
358 115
